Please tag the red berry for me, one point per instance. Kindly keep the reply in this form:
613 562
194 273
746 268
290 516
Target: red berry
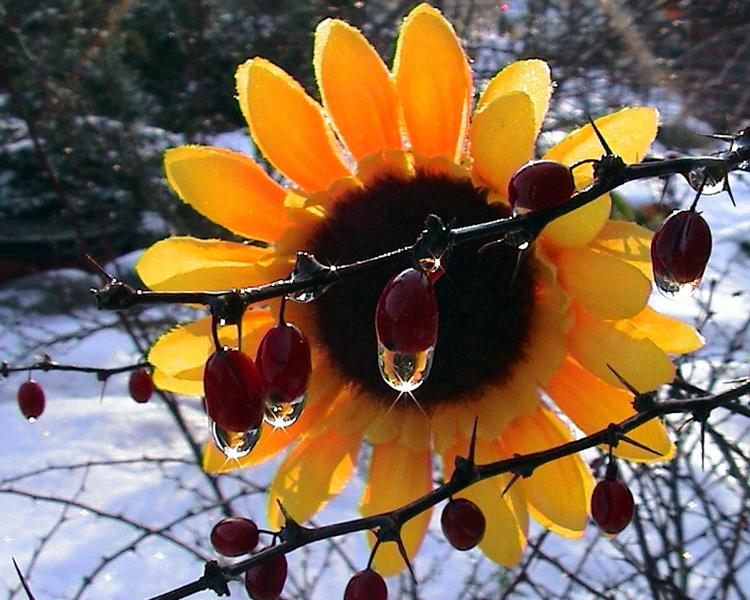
366 585
681 248
31 399
540 184
234 391
463 523
406 319
612 504
265 581
234 536
141 385
283 361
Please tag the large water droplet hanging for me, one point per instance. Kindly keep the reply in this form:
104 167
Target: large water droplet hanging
714 180
234 444
674 290
281 413
404 371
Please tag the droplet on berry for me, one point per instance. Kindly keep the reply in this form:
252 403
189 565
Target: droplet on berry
233 390
406 323
612 504
234 536
366 585
141 385
463 523
680 250
284 364
540 184
31 400
265 581
234 444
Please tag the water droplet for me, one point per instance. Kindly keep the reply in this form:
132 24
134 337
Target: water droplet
674 290
404 371
305 267
714 179
234 444
282 413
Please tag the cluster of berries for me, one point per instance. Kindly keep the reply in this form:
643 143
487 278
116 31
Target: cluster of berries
32 400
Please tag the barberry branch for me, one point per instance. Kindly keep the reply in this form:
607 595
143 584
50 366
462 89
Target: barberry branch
610 172
47 364
294 535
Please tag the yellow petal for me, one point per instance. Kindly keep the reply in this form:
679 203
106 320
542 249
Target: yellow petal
671 335
556 491
415 430
434 83
628 242
188 383
187 347
288 126
629 132
228 188
186 263
593 404
602 284
596 344
507 521
530 76
397 476
579 227
316 469
356 89
502 139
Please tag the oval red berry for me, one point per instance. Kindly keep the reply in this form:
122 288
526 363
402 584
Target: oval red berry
234 391
612 505
234 536
283 361
366 585
141 385
540 184
265 581
406 318
463 523
31 399
681 247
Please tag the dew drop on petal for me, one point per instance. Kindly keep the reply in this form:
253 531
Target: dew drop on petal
234 444
404 371
283 413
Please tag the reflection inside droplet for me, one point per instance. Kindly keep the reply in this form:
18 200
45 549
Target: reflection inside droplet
234 444
282 413
404 371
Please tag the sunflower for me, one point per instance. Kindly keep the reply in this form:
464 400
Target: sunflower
364 167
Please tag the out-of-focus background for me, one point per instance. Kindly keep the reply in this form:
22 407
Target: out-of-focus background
102 498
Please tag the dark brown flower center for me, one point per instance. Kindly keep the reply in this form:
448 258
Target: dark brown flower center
483 319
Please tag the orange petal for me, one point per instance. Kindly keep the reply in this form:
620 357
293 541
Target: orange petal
316 469
188 383
628 242
671 335
529 76
228 188
602 284
557 490
288 126
507 520
356 88
593 404
187 347
502 139
434 84
397 476
186 263
629 132
599 345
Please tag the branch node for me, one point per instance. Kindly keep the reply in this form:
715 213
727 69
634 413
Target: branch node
291 531
228 308
434 242
215 579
